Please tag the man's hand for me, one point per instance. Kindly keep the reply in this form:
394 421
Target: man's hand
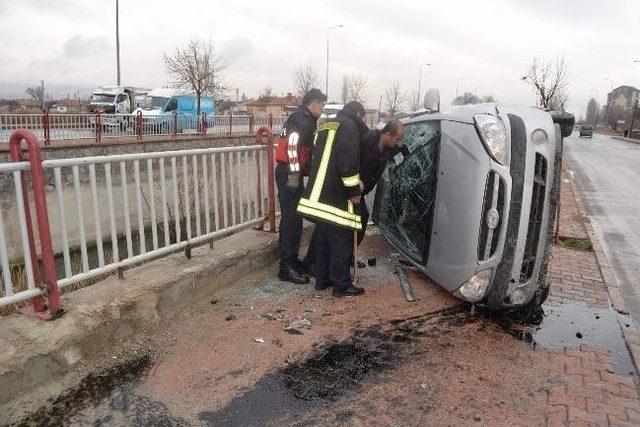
355 200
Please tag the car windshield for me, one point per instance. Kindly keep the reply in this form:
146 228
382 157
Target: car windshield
98 97
586 127
153 103
406 192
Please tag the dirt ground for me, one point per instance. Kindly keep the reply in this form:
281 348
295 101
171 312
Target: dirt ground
263 352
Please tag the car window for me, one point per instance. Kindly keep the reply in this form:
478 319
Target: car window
172 105
406 192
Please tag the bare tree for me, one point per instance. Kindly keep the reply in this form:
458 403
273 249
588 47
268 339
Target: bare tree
394 97
266 93
357 84
466 98
37 93
549 81
414 101
197 67
305 78
488 98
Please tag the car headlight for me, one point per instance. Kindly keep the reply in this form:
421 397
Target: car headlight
473 290
494 135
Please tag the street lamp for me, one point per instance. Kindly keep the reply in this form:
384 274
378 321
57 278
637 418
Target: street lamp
118 42
326 86
610 83
420 78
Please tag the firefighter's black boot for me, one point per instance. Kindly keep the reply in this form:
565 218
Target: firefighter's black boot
292 275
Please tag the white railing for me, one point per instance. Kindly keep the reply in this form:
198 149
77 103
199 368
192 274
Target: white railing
18 283
137 207
108 213
57 127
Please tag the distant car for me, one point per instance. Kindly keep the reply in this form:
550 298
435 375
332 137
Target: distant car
330 111
586 130
473 203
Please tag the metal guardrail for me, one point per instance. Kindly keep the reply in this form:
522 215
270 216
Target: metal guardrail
50 127
135 207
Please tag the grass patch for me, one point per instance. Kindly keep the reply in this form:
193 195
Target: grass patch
577 244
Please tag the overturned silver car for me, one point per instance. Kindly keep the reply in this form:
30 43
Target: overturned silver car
472 202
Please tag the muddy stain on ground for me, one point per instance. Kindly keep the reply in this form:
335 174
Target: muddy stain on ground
331 371
106 398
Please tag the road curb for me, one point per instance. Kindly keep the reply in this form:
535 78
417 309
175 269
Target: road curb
629 331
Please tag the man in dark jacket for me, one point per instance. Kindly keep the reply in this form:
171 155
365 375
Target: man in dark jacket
378 147
295 146
329 200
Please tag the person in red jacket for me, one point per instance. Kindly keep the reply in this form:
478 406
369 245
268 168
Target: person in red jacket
295 146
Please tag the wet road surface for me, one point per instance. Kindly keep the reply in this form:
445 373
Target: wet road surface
607 173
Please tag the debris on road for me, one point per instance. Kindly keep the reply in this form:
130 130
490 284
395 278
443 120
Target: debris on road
293 331
260 340
230 317
304 322
404 283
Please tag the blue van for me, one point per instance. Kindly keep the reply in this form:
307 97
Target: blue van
159 106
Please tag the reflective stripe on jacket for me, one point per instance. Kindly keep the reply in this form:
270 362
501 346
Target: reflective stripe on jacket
334 176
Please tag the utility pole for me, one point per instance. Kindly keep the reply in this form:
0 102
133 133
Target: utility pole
118 41
633 118
326 83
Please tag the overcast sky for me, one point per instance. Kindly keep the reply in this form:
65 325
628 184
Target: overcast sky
488 44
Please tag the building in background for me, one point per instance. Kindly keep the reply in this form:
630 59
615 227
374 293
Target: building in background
619 111
623 96
278 106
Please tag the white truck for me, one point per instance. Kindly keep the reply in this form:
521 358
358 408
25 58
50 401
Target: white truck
117 103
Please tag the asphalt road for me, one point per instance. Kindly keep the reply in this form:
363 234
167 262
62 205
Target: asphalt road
607 173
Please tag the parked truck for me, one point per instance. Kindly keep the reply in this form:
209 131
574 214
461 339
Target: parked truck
162 107
117 103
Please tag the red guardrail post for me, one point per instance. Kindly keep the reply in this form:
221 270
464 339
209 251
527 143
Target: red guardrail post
47 127
98 127
139 126
271 215
270 121
42 216
230 123
175 124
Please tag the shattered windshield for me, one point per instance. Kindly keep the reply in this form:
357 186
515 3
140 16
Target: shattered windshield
99 97
406 191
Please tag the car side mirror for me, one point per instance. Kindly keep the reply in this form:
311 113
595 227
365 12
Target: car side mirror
432 100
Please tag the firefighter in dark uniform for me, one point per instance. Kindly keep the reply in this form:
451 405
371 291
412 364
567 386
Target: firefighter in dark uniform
377 147
295 147
332 193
